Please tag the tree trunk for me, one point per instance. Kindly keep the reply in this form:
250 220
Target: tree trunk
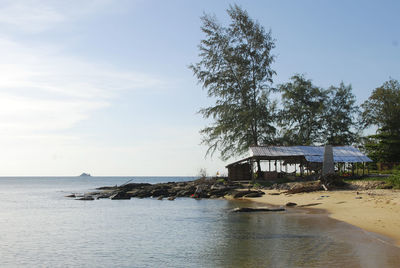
258 169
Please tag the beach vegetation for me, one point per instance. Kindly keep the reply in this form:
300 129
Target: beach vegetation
313 115
301 118
339 117
382 110
394 181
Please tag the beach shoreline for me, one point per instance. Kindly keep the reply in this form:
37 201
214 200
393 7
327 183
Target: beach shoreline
376 211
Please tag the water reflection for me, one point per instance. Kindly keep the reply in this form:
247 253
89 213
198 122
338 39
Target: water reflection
298 240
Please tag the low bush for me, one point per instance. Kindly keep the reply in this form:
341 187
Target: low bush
394 181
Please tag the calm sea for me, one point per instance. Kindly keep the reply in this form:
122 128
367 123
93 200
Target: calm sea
39 227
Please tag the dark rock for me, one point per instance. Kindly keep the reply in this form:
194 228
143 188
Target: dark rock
309 205
291 204
246 209
159 192
171 198
259 194
103 196
107 188
160 197
120 196
71 195
86 198
274 193
131 186
243 193
219 192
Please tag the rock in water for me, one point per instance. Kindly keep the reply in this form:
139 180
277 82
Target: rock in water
246 209
86 198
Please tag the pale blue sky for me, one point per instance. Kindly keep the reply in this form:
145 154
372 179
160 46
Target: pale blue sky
103 86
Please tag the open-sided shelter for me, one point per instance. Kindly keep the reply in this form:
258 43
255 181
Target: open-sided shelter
307 158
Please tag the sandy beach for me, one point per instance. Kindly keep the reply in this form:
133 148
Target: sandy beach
376 211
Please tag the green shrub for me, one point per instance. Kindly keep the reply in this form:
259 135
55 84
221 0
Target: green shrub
394 181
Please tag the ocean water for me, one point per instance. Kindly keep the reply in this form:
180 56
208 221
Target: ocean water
40 227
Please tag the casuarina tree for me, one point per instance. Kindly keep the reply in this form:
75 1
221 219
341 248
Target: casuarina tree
382 109
339 127
301 118
235 69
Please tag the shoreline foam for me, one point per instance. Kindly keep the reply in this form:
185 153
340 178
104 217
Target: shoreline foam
376 211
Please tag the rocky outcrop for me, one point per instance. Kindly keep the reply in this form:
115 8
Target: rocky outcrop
201 188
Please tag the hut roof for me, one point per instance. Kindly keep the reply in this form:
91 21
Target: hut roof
311 153
343 154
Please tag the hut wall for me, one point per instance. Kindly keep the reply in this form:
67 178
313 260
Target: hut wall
240 172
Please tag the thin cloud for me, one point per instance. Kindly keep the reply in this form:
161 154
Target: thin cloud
43 90
35 16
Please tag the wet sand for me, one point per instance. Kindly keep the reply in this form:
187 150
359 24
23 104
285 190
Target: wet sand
376 211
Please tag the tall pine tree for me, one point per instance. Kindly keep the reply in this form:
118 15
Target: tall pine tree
235 69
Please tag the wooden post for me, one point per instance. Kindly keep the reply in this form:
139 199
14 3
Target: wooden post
269 165
301 169
357 169
363 168
252 169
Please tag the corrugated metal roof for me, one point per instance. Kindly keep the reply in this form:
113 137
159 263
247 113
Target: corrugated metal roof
311 153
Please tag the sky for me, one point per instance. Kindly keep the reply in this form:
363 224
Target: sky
103 86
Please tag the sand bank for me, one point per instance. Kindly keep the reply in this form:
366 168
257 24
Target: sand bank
376 211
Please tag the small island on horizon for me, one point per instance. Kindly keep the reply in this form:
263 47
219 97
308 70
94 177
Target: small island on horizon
85 175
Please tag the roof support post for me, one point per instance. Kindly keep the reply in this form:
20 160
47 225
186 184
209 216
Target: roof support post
251 169
363 165
302 168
